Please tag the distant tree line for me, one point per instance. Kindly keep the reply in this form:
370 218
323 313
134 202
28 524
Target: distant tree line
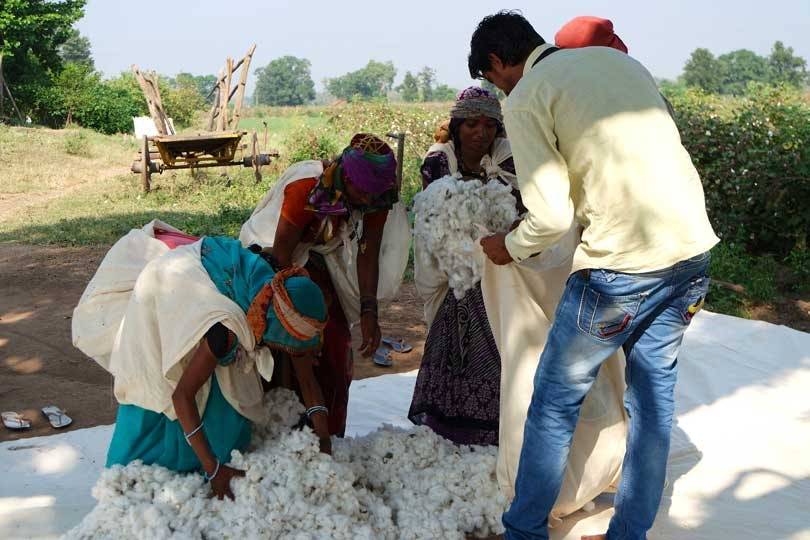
730 73
288 81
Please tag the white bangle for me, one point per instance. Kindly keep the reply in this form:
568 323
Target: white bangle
315 409
193 432
211 477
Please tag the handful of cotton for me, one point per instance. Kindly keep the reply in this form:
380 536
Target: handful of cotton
450 216
389 484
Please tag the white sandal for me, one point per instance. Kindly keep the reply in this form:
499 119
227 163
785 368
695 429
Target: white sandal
56 416
14 420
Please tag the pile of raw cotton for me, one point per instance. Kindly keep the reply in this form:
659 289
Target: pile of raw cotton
389 484
451 216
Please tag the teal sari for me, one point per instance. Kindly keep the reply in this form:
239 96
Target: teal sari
156 440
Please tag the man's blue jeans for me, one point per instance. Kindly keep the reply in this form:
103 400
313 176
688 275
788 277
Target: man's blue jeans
600 311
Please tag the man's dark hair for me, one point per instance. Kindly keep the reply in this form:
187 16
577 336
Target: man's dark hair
508 35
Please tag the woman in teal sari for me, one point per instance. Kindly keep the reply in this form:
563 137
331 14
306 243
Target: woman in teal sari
284 311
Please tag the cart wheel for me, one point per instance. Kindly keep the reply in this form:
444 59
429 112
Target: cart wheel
146 173
257 173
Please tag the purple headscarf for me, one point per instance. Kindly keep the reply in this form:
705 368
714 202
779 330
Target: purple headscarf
369 164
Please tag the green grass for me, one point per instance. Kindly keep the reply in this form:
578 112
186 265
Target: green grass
38 160
279 128
211 205
756 274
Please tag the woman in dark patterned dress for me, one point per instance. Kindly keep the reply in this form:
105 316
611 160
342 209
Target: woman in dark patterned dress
458 387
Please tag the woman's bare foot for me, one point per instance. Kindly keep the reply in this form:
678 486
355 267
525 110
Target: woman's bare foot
595 537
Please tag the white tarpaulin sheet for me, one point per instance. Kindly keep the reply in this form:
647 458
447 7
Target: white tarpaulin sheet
739 465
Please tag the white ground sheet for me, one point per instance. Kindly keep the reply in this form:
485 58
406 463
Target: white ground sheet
739 465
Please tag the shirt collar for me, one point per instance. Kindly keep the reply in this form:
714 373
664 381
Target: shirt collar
533 56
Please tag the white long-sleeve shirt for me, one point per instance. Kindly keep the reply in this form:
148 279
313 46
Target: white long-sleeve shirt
593 141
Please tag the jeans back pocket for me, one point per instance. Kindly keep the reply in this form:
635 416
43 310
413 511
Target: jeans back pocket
606 316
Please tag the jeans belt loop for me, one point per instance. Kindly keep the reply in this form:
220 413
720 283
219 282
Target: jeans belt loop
586 274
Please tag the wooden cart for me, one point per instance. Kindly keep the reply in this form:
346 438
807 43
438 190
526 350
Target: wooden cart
218 149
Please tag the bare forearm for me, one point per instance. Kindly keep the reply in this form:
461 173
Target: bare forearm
311 393
199 370
189 417
368 272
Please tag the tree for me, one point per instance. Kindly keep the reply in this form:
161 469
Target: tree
785 67
285 81
75 86
374 81
444 92
740 67
409 89
201 84
703 71
76 50
426 78
31 32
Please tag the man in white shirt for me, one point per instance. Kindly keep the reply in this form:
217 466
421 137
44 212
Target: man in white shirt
593 141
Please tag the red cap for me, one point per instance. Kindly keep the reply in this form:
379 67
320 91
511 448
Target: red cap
588 32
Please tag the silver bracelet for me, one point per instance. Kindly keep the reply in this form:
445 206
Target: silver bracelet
193 432
209 478
316 409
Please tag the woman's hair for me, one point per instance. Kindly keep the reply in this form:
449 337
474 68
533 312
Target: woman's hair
508 35
455 127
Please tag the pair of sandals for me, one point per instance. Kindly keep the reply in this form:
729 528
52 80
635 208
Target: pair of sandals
382 356
56 417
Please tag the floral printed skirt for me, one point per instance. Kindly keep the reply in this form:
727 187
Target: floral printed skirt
457 390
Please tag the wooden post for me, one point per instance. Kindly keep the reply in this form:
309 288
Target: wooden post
225 91
400 137
149 87
146 174
153 79
240 95
212 115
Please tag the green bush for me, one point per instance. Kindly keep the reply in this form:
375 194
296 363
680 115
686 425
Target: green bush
753 155
110 111
310 144
77 144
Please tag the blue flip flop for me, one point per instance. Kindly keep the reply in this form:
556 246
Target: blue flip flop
397 344
382 358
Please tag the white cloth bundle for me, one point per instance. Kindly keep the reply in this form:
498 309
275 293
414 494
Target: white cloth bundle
143 315
521 300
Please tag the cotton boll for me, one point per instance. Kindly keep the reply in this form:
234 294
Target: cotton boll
447 212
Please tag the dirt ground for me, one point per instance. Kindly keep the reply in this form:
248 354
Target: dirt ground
40 286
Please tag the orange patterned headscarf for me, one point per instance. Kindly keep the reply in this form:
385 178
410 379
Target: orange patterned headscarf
296 324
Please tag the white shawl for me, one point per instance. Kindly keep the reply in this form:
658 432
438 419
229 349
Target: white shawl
143 315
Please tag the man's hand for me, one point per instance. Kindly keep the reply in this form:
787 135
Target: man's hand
495 248
221 483
370 330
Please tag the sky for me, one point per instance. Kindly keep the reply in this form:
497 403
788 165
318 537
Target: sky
172 36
